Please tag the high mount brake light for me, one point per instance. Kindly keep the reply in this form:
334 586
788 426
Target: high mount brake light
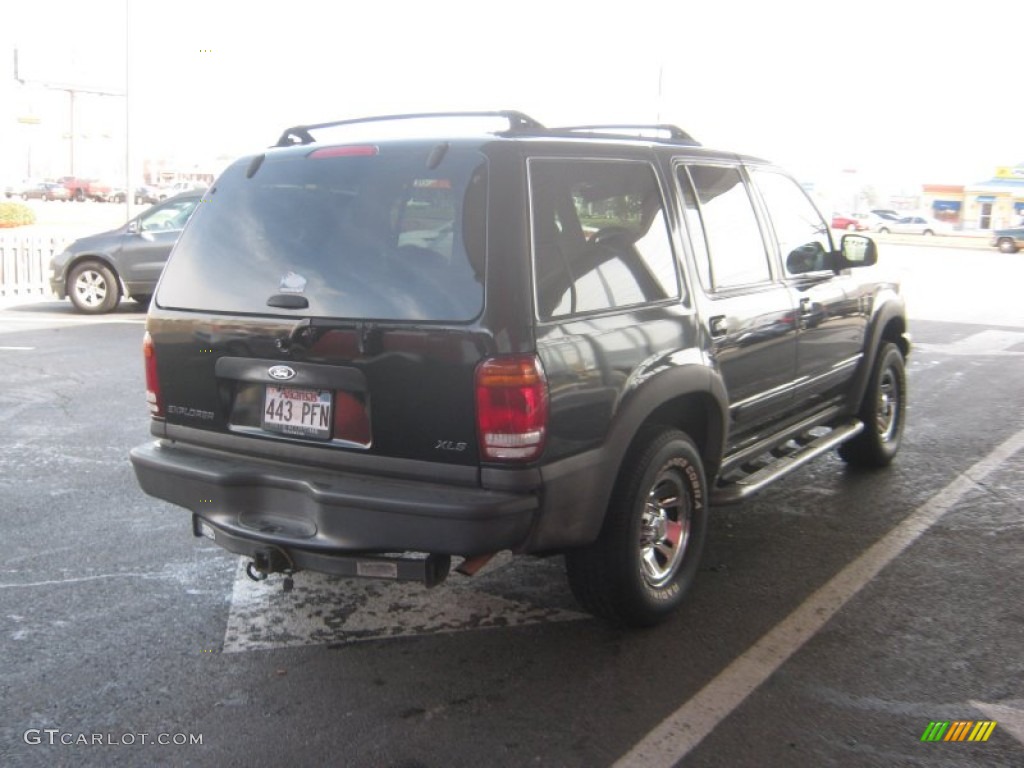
511 408
153 397
352 150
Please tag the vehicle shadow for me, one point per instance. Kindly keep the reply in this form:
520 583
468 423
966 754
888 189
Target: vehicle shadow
39 307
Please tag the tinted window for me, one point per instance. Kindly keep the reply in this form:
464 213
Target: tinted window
167 216
694 225
390 233
802 234
737 253
600 237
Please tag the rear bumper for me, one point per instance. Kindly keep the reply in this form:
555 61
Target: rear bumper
325 511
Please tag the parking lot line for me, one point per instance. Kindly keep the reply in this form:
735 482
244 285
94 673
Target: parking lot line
685 728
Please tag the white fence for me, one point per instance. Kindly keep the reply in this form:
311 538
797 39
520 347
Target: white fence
25 262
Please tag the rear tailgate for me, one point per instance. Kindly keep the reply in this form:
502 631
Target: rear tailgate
401 392
330 297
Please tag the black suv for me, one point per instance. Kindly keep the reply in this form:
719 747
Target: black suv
378 349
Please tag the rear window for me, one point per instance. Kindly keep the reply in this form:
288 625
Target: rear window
386 233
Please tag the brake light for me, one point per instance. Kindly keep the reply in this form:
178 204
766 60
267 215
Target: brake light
156 402
352 150
511 407
351 421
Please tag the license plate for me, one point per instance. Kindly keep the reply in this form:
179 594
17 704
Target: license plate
301 412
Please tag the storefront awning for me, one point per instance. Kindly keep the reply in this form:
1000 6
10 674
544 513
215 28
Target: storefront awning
946 205
986 198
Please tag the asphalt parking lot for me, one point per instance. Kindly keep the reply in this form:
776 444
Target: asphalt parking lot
837 615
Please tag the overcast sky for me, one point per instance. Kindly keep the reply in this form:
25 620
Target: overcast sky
900 89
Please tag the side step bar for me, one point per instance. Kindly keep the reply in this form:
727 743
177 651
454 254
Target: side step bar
732 491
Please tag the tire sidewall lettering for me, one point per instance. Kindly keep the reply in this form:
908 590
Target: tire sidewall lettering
695 482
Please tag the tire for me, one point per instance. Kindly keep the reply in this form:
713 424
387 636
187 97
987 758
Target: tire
648 551
851 227
93 288
883 230
927 233
883 412
1006 245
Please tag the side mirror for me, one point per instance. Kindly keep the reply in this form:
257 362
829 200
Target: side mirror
856 251
133 227
810 257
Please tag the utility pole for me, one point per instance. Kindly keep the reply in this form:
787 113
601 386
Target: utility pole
71 91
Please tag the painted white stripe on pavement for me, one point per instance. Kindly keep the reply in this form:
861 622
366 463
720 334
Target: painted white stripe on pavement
1009 718
325 609
684 729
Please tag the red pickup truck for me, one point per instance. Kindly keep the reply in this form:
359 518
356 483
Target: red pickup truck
86 189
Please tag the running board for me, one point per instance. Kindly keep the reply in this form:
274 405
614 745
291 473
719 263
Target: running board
782 462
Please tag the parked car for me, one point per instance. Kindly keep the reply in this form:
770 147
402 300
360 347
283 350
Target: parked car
96 271
20 189
913 225
147 195
601 340
887 214
143 195
44 190
86 189
1008 240
851 223
180 186
55 191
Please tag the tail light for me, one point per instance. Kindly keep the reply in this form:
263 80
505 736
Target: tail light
156 402
511 408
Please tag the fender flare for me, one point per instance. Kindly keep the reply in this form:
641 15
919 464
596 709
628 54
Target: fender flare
577 490
889 307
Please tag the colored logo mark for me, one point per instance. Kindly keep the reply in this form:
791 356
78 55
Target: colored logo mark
958 730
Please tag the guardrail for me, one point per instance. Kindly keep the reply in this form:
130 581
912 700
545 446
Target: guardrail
25 263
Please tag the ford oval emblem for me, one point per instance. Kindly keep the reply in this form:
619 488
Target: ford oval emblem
281 372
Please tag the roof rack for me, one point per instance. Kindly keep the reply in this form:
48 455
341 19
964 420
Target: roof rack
673 132
300 134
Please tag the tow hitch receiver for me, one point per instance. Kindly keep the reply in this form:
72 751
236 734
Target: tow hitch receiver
429 570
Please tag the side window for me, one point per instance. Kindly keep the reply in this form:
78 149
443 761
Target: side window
734 242
168 217
600 238
803 237
693 223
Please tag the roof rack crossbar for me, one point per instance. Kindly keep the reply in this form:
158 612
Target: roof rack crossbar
674 132
300 134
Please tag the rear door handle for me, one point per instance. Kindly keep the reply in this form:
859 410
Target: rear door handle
718 326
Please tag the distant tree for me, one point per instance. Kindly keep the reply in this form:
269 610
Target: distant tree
869 195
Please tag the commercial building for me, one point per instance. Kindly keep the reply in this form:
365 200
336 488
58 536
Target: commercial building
992 204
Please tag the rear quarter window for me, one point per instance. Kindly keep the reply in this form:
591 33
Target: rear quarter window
600 237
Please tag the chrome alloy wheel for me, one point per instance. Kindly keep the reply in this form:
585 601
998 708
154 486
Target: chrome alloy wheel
888 407
664 528
91 288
